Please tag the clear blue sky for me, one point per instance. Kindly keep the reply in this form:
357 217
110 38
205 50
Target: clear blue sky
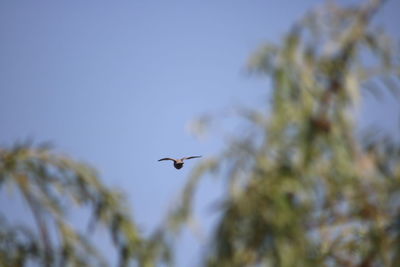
116 83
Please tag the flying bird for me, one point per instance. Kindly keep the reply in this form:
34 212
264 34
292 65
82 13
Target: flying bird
178 163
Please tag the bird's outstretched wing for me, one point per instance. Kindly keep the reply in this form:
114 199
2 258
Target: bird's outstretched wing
166 159
192 157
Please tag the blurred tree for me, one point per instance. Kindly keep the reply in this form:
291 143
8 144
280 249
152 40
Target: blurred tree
303 188
50 184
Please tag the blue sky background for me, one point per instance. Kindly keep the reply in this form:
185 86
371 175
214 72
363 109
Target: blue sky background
115 84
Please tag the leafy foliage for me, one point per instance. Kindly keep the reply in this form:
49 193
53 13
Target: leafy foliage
304 189
50 183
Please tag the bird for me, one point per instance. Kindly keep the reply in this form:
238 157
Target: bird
178 163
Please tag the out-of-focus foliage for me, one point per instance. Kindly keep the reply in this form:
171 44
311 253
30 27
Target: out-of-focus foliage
52 185
302 187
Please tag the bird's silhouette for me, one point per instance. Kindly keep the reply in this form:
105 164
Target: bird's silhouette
178 163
